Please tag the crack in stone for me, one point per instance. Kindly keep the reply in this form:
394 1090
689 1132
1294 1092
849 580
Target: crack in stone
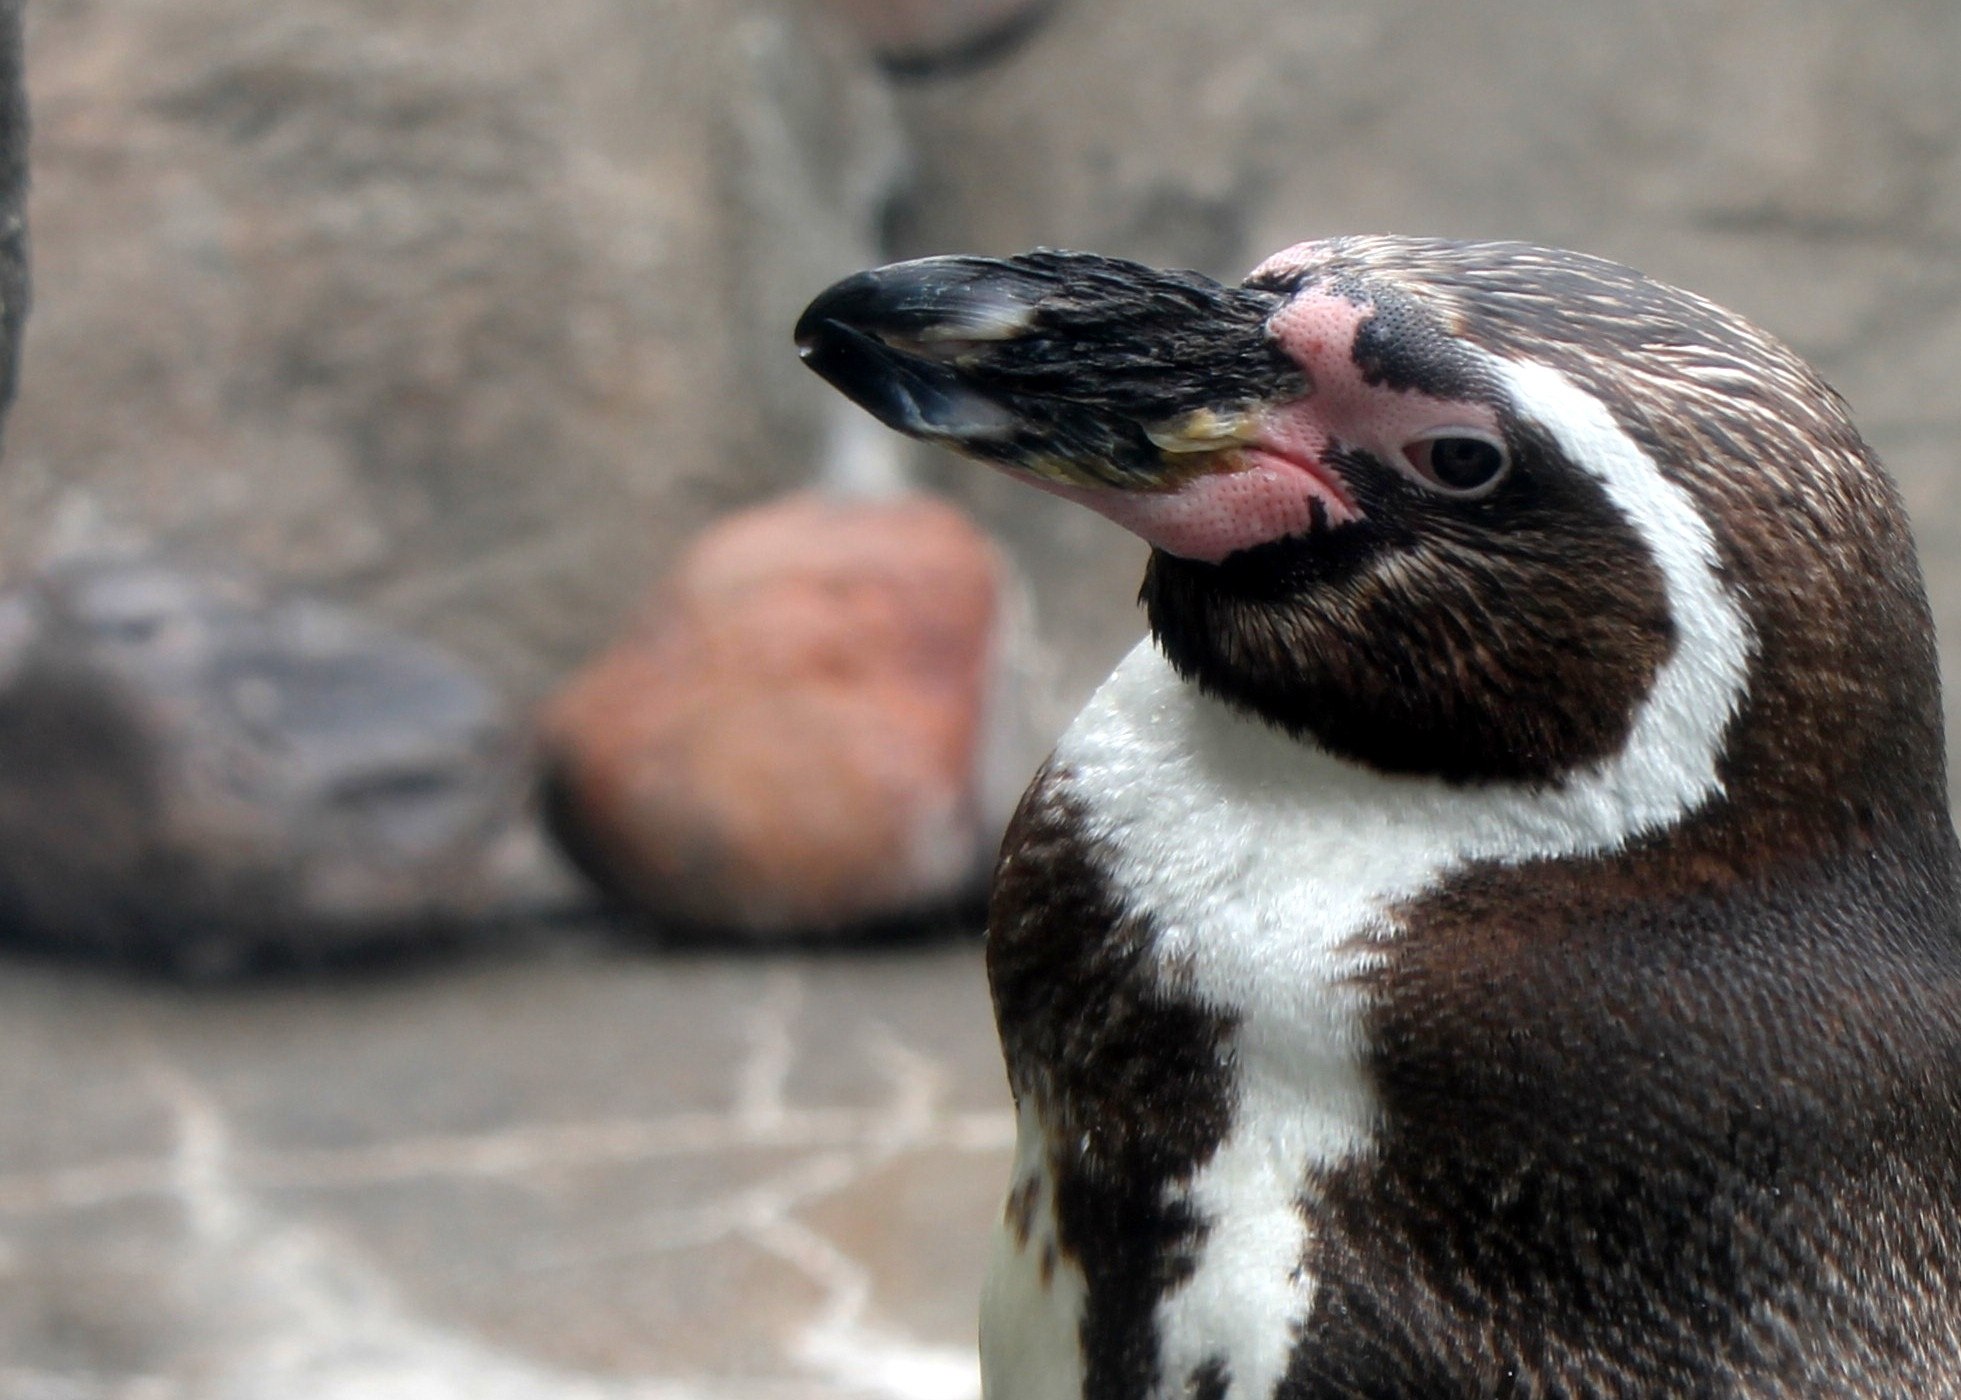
764 1079
513 1153
758 1119
845 1345
729 1217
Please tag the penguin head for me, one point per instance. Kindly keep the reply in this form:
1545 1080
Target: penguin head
1484 512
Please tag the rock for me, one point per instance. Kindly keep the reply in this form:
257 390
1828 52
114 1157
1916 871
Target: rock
13 201
801 735
197 775
1802 164
466 312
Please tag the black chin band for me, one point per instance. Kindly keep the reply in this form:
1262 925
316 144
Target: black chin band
1275 571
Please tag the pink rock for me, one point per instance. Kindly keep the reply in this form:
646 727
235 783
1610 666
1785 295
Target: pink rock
789 742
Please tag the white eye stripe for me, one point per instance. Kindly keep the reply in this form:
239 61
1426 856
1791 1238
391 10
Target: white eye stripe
1668 764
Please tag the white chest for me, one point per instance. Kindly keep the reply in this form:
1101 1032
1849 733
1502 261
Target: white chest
1271 873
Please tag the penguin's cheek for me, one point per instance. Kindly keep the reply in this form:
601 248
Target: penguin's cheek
1263 495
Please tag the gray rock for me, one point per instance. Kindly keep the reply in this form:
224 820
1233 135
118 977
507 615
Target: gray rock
13 201
460 310
198 775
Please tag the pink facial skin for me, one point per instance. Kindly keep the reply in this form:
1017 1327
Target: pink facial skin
1265 496
1270 489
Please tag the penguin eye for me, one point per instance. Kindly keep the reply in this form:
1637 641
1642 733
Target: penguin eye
1458 463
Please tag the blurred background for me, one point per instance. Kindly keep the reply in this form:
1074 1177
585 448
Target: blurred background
497 763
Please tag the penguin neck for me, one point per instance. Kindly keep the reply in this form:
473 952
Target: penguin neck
1267 876
1189 792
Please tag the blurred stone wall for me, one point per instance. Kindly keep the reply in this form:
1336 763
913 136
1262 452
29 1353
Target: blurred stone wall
13 200
468 311
472 309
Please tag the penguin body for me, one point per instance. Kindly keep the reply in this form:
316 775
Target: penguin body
1498 936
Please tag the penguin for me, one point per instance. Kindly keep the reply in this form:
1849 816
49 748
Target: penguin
1497 935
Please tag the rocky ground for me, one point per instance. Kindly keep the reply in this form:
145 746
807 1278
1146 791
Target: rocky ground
589 1174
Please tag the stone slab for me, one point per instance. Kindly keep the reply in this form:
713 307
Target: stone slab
589 1174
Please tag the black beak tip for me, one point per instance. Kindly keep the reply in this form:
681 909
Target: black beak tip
838 337
849 360
812 334
976 298
853 301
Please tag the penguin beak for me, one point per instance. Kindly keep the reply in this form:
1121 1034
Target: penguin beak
1084 373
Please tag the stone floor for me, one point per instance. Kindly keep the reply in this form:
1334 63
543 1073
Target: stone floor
588 1174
